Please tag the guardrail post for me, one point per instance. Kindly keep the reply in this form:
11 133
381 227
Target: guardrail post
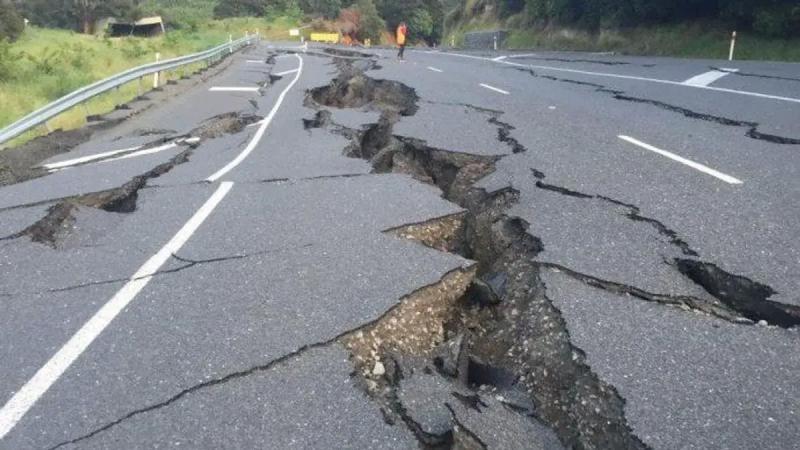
155 75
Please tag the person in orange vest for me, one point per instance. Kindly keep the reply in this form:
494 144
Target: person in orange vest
402 30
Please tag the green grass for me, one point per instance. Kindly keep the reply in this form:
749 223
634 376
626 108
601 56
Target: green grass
45 64
687 40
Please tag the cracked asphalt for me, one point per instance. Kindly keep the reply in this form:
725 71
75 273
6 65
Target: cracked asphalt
197 295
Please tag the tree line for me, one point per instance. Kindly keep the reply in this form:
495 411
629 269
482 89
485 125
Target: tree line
372 17
425 18
769 17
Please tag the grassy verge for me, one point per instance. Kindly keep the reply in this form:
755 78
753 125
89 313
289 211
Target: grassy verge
45 64
687 40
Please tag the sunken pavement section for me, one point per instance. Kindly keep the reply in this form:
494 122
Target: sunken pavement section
372 282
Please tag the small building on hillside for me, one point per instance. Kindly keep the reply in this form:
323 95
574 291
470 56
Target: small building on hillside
144 27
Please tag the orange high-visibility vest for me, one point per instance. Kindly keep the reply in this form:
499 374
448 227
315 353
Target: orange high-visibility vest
401 35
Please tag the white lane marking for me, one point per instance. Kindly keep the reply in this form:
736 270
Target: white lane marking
494 89
256 61
499 58
47 375
524 55
286 72
83 159
705 79
682 160
261 130
147 151
254 124
233 89
435 69
626 77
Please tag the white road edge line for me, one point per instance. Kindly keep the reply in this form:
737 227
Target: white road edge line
83 159
624 77
47 375
233 89
261 130
499 58
697 166
435 69
705 79
285 72
495 89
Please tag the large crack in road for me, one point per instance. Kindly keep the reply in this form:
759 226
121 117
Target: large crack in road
523 334
510 336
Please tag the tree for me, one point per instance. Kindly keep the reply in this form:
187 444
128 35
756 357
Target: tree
327 8
11 23
239 8
76 14
370 25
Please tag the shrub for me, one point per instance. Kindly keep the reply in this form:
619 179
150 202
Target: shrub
11 23
8 65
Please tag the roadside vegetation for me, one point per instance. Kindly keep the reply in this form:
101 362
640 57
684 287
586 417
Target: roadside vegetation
39 65
767 29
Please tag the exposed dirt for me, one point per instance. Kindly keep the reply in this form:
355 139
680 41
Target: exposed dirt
518 343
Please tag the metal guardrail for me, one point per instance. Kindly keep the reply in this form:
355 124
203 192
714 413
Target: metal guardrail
83 94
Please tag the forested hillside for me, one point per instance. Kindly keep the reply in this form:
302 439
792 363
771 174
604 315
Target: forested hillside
768 29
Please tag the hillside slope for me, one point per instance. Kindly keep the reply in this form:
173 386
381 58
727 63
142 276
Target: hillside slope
706 37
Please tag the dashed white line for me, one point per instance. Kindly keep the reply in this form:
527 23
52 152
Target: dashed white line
233 89
494 89
625 77
29 394
285 72
705 79
256 61
261 130
435 69
697 166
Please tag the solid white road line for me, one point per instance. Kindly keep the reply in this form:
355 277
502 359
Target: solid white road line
26 397
83 159
499 58
261 130
624 77
692 164
256 61
233 89
705 79
494 89
285 72
435 69
147 151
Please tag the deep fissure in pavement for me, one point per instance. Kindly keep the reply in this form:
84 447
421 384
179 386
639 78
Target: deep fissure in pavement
56 224
738 297
514 340
748 297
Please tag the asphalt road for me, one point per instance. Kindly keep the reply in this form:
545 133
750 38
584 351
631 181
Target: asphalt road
207 308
